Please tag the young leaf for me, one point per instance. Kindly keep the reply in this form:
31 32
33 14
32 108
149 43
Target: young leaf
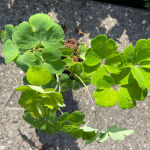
128 55
10 51
105 98
37 75
102 46
82 49
7 34
91 58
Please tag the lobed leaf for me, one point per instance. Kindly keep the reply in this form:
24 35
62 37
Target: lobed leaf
102 46
105 98
10 51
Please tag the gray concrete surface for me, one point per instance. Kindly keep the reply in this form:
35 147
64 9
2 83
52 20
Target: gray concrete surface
123 24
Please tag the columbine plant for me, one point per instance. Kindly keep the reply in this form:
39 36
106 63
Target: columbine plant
52 67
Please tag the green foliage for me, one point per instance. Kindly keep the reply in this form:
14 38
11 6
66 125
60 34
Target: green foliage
115 133
50 67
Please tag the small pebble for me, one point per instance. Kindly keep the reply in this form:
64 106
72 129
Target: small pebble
144 22
75 13
2 147
37 9
108 7
90 17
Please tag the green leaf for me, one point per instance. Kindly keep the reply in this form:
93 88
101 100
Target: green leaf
55 67
105 98
68 61
7 34
124 98
82 49
119 133
24 37
54 99
142 50
51 54
54 37
115 133
105 82
10 51
76 117
99 74
135 91
113 69
88 133
89 70
67 52
88 129
91 58
123 77
142 76
113 59
73 130
92 139
29 88
37 75
76 68
102 46
41 22
104 137
128 55
25 61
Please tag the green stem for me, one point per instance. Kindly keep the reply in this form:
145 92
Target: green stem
93 103
60 111
57 80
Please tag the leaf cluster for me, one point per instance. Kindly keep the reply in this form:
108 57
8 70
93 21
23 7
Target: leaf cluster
50 67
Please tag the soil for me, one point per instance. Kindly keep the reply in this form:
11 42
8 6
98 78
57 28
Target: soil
73 44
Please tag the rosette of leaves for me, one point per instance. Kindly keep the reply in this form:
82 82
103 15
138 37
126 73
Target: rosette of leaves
120 78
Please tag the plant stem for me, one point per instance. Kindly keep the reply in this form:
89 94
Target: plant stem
57 79
93 103
60 111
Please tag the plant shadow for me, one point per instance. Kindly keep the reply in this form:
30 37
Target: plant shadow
61 140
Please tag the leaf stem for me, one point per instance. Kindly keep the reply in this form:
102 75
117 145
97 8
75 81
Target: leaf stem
93 103
57 79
